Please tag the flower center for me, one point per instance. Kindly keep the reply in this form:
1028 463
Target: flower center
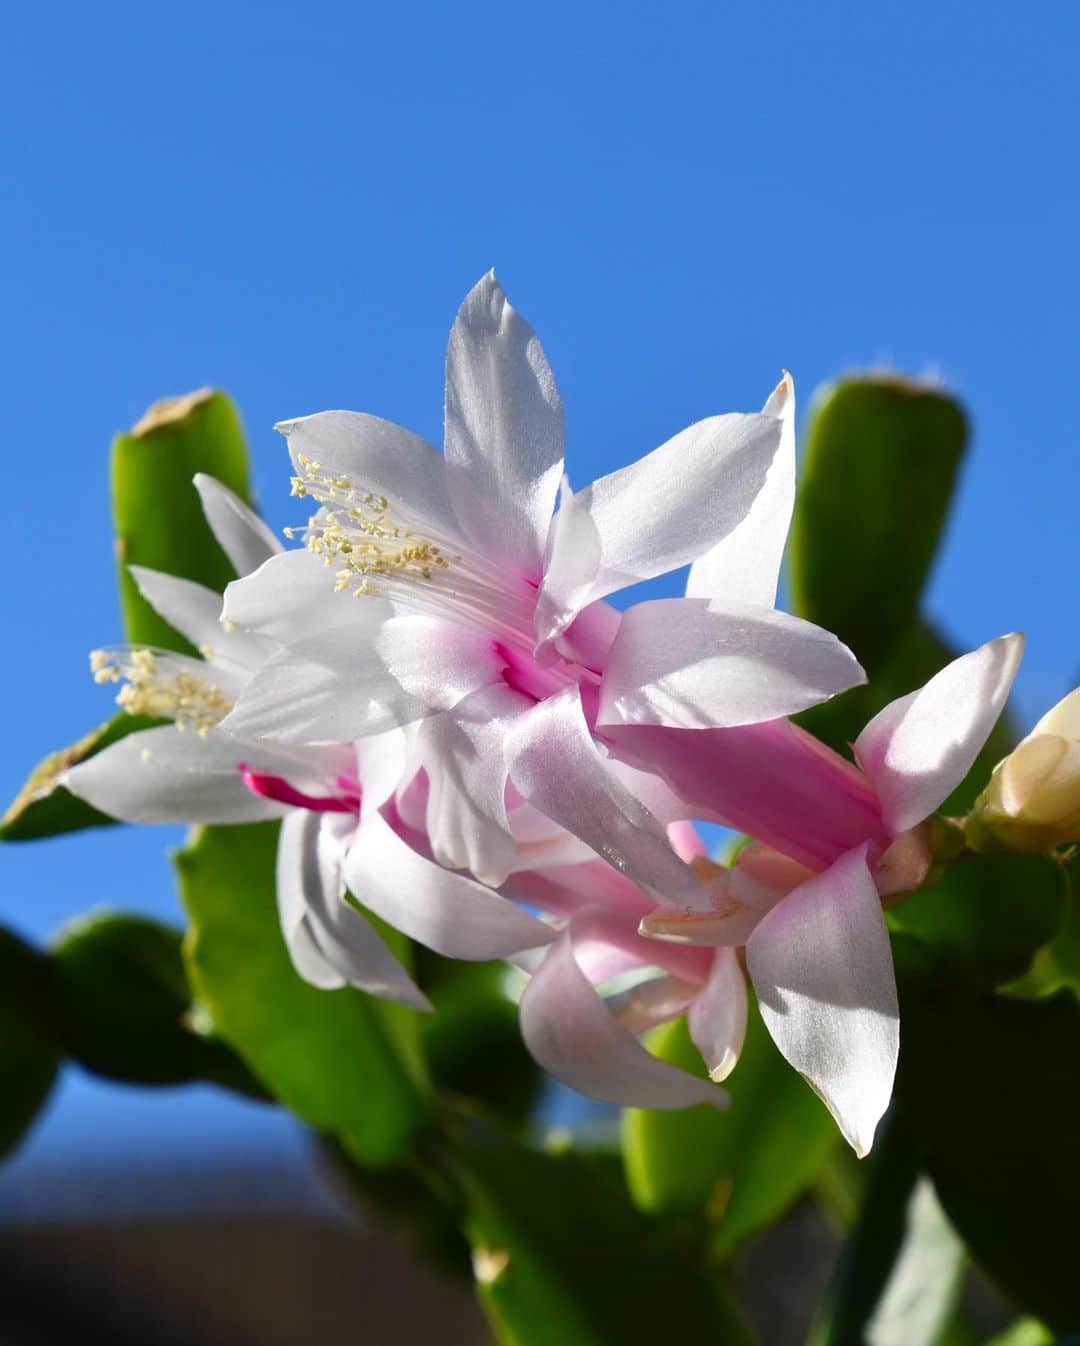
380 548
176 692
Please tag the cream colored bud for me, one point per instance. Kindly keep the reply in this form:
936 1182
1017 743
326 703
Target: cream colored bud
1033 800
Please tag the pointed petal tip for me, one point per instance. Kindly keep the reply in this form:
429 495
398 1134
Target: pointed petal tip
723 1069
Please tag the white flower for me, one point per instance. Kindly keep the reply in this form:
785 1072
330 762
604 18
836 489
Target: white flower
457 601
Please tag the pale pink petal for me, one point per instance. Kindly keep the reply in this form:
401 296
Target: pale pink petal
241 534
165 776
557 767
918 749
330 943
717 1017
745 565
447 912
655 515
695 663
370 677
504 430
652 1002
822 970
575 1037
462 751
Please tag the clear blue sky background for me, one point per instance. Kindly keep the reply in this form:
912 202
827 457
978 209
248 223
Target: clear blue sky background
289 200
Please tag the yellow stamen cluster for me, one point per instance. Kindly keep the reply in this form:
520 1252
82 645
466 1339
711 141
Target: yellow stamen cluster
192 701
357 532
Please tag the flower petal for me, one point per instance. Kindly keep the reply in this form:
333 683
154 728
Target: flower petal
447 912
330 943
463 752
919 748
165 776
381 457
557 767
822 968
195 611
717 1017
241 534
504 429
291 598
575 1037
375 674
668 508
696 663
745 565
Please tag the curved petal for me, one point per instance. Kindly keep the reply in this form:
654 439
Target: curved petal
696 663
165 776
666 509
381 764
717 1017
291 598
241 534
504 429
557 767
575 1037
447 912
745 565
822 968
365 679
378 456
463 752
330 943
195 611
918 749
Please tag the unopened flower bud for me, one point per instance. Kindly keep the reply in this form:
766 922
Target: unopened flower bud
1032 802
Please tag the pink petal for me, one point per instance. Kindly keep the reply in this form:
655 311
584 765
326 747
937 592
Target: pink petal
447 912
717 1017
822 968
918 749
575 1037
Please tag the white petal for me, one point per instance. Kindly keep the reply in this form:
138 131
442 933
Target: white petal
241 534
745 565
557 767
504 429
165 776
918 749
291 598
717 1018
195 611
668 508
381 767
575 1037
693 663
447 912
379 456
463 752
330 943
1062 719
372 676
822 968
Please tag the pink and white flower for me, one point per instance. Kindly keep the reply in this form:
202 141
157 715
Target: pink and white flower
337 802
458 601
804 901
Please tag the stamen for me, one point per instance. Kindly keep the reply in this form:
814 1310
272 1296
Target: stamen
357 530
179 694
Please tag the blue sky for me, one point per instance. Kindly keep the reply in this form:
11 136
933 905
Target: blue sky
290 200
